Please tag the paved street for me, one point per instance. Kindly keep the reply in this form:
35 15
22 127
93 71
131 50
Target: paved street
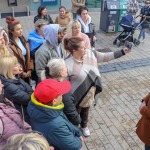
125 82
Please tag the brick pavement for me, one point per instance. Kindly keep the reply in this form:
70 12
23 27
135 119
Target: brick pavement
125 82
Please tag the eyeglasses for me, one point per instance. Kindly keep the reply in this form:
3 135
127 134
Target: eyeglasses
147 2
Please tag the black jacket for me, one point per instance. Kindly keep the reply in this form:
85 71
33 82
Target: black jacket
145 11
70 109
46 18
19 92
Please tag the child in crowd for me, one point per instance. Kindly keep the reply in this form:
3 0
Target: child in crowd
11 121
15 89
47 117
143 126
28 141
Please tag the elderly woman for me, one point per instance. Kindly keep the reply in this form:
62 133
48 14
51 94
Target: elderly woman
32 141
87 26
4 40
20 47
64 17
42 14
83 73
56 69
74 30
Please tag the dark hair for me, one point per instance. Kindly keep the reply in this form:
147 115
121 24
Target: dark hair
81 8
4 100
62 7
72 43
11 23
40 10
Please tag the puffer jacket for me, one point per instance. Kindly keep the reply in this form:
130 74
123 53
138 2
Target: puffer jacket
143 126
12 122
64 20
18 92
54 125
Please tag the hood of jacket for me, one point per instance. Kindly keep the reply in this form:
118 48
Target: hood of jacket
35 40
51 34
41 112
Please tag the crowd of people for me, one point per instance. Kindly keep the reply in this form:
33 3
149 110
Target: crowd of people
60 57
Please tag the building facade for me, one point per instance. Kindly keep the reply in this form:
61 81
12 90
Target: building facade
17 8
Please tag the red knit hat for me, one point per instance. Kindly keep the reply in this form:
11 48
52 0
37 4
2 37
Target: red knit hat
49 89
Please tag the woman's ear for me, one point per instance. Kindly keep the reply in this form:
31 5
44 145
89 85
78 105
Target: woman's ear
54 102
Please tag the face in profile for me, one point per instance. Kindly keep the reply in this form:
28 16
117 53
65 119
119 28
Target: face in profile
17 69
60 36
2 42
17 30
64 71
81 51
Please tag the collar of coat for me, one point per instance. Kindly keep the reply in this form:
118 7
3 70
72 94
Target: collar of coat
34 100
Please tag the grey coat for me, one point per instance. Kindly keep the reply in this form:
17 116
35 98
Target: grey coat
49 49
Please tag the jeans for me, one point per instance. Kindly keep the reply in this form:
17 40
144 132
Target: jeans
147 147
142 34
84 113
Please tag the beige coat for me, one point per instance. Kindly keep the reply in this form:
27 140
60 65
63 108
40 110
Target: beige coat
64 20
76 4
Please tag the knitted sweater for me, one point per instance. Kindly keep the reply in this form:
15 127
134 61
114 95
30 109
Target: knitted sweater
84 75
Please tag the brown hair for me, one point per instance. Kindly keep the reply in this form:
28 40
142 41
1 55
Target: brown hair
72 43
11 23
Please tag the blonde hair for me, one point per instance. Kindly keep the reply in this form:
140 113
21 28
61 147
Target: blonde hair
27 141
72 24
4 51
7 63
54 67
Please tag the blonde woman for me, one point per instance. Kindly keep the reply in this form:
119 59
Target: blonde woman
4 40
15 89
74 30
29 141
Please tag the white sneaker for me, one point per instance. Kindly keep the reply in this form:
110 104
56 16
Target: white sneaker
142 41
86 131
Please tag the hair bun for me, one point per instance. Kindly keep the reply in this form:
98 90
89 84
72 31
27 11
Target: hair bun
9 19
